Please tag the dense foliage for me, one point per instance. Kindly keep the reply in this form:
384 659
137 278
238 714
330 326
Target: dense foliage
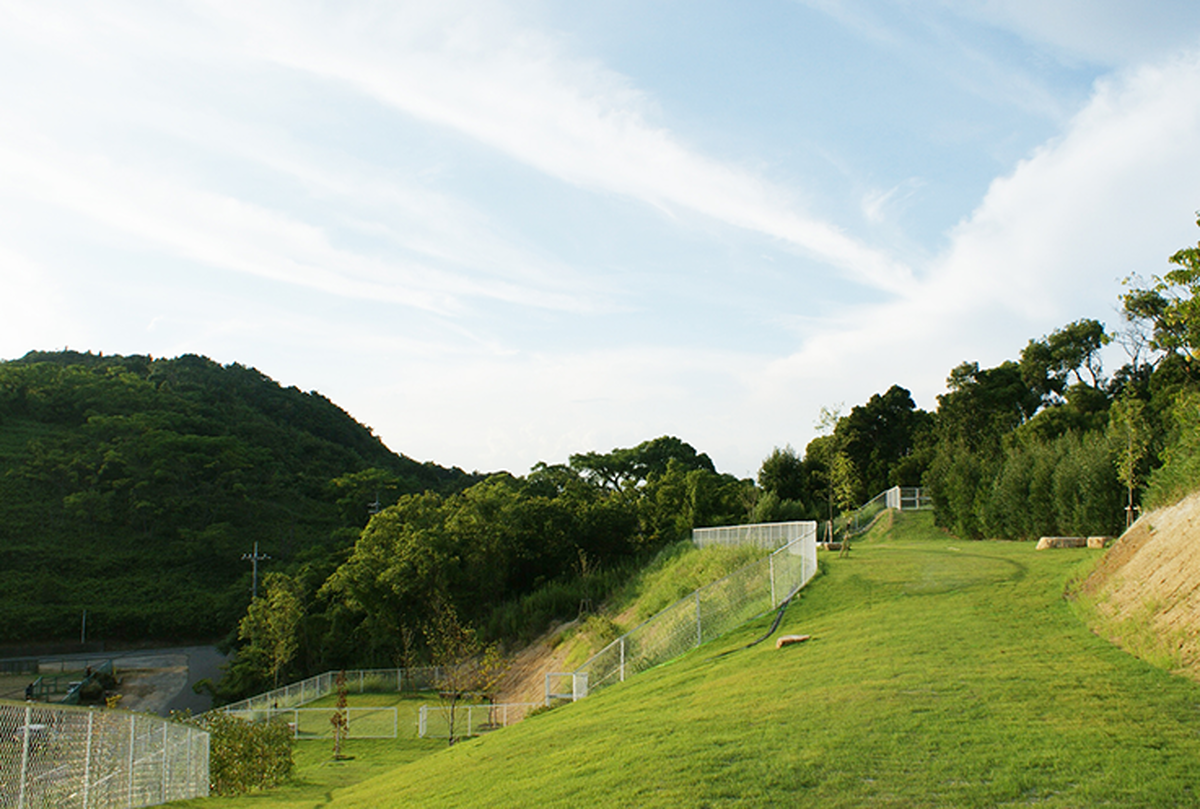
244 756
1042 445
131 487
509 555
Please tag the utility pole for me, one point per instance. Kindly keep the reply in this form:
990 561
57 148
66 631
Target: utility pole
254 559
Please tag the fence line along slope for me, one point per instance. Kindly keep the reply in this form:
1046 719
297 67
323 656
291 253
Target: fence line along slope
709 612
940 673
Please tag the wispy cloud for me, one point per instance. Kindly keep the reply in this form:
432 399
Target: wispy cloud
515 89
1112 32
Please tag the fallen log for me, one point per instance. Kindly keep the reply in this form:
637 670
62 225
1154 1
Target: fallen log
788 640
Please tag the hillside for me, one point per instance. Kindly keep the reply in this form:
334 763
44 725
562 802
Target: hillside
131 487
1145 594
940 673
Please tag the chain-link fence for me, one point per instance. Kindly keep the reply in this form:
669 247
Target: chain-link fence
903 498
712 610
358 681
767 535
362 722
52 756
470 720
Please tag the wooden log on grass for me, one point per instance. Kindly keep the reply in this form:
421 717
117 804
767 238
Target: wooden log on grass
788 640
1061 542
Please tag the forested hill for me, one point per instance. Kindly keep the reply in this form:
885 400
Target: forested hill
131 487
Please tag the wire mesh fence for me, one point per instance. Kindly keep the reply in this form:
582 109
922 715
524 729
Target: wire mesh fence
52 756
714 609
768 536
358 681
903 498
362 722
470 720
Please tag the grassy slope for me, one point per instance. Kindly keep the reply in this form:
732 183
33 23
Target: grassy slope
941 673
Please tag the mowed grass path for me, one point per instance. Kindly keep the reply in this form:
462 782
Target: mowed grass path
941 673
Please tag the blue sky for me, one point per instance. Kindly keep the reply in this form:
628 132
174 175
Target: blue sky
500 233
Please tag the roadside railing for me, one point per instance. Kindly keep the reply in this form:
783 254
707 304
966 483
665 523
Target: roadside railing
54 756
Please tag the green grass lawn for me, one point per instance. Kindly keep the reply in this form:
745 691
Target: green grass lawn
941 673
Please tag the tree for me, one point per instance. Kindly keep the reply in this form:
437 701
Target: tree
621 468
270 626
827 423
783 474
878 436
1047 364
340 720
455 650
1171 304
982 405
1131 434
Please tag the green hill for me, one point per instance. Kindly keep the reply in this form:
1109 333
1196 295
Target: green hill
131 487
940 673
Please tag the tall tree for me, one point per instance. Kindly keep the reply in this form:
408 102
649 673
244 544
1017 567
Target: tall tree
1171 304
877 436
1131 434
270 626
783 474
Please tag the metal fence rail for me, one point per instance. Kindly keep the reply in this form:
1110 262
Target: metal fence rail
52 756
358 681
710 611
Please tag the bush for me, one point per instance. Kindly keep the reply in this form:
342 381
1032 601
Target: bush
245 755
1180 473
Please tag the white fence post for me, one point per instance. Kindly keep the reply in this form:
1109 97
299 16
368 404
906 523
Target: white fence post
165 767
132 732
622 658
771 558
699 627
87 761
25 734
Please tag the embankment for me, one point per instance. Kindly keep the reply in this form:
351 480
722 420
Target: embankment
1144 595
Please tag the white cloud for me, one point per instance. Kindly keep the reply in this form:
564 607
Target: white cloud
223 231
1048 244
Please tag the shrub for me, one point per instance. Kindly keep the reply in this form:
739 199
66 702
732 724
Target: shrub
245 755
1180 473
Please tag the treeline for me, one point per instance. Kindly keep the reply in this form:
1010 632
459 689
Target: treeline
508 556
1046 444
131 487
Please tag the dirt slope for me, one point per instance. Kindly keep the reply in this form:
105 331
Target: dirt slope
525 681
1146 590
